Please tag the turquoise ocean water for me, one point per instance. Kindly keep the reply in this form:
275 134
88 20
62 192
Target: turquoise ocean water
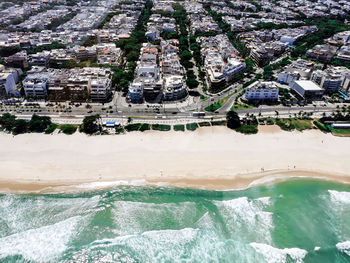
299 220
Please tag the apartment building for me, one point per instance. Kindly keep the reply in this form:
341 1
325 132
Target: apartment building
78 84
299 70
322 52
330 79
262 91
174 86
221 60
148 81
35 85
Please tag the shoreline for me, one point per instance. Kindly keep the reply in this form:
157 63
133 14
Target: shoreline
239 182
212 158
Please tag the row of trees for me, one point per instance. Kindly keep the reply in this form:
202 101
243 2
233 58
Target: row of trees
10 123
13 125
131 47
182 21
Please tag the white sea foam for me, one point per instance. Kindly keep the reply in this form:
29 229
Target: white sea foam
247 219
42 244
276 255
344 247
273 178
156 246
21 214
138 217
205 221
106 184
339 197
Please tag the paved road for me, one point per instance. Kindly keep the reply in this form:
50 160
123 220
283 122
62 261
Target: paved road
181 117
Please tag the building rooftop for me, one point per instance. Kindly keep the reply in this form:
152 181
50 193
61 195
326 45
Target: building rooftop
308 85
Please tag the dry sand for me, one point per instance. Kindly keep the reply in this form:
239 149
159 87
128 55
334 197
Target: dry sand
209 158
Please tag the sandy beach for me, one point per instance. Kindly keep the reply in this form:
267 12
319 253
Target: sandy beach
209 158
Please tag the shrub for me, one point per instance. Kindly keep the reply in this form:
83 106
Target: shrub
248 129
161 127
321 126
119 130
132 127
51 128
7 121
285 125
144 127
191 126
204 124
270 121
20 126
68 128
218 123
179 127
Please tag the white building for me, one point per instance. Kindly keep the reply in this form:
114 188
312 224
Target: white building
174 88
35 85
233 67
287 77
330 80
262 91
307 89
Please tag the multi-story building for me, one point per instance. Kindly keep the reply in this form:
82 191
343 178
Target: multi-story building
262 91
307 89
35 85
174 86
78 84
300 69
18 60
221 60
147 76
109 54
330 79
8 80
159 74
344 53
322 52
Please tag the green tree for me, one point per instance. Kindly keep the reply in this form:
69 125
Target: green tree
132 56
91 124
233 120
7 121
186 55
39 123
20 126
192 83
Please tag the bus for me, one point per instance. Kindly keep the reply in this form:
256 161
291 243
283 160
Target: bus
198 114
